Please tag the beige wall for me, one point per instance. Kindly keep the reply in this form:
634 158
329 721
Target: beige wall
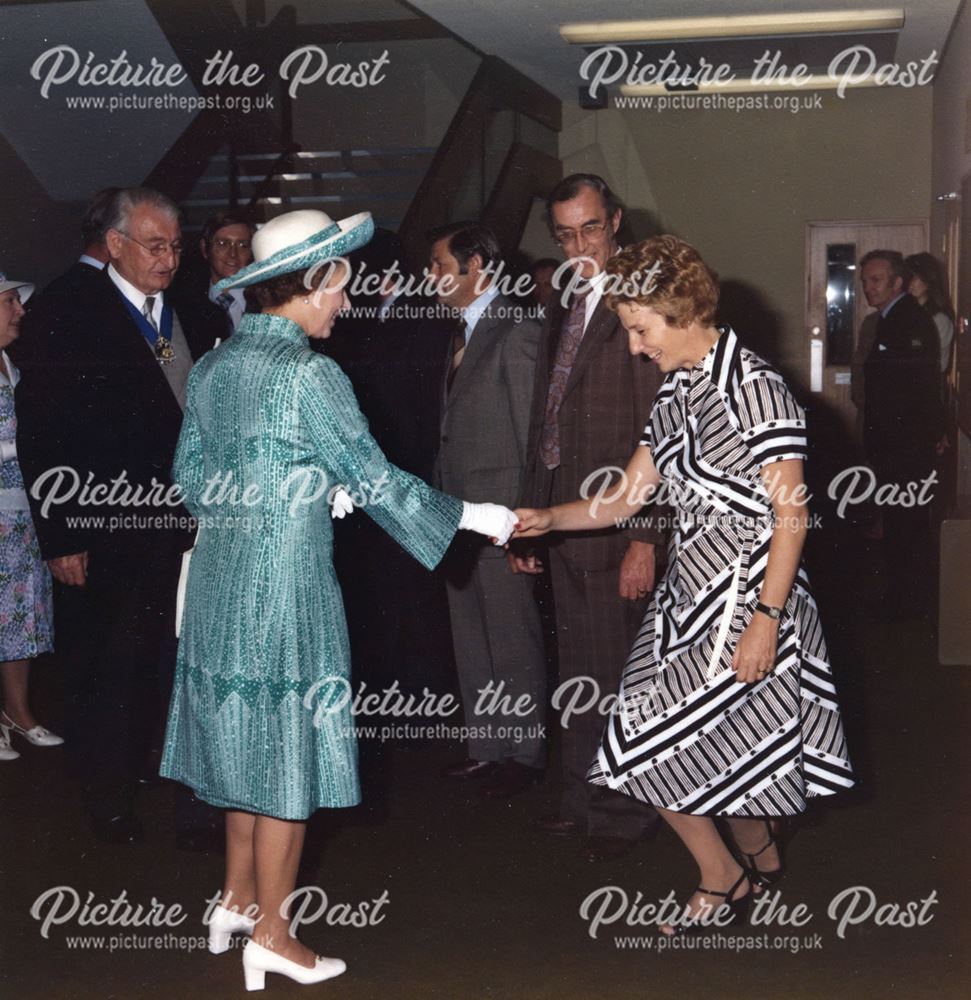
952 119
952 162
742 186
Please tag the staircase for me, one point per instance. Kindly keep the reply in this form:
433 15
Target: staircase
338 182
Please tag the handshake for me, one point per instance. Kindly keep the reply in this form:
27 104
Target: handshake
496 522
500 523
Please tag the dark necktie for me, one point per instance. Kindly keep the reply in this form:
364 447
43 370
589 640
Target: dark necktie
566 355
458 352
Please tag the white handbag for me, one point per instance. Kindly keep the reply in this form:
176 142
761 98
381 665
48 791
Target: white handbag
180 590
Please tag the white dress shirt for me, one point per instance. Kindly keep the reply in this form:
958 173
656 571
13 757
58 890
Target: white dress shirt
137 298
236 308
476 308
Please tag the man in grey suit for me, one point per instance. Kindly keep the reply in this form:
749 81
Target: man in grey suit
496 630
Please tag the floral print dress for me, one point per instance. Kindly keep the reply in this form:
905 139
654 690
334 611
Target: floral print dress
26 618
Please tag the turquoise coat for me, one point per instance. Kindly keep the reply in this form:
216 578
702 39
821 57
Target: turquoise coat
260 717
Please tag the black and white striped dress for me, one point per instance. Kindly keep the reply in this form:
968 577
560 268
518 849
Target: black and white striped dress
686 735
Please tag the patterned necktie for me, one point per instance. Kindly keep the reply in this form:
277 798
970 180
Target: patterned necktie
458 352
148 312
566 355
224 301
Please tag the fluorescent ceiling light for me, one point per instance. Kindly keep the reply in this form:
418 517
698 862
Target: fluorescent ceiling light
819 81
732 26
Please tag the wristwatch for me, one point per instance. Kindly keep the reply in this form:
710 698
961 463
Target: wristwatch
774 613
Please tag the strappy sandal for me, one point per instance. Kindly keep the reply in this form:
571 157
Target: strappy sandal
737 908
760 879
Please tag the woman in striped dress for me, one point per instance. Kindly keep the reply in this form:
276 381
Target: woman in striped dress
727 705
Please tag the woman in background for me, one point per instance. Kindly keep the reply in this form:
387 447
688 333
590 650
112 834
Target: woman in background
26 619
928 284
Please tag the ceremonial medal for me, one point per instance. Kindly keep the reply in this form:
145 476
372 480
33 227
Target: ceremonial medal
164 351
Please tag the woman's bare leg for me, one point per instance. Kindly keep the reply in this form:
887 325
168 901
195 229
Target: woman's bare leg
277 844
717 869
752 836
239 889
14 674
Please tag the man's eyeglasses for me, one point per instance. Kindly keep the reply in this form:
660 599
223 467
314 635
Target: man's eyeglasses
156 249
224 245
589 231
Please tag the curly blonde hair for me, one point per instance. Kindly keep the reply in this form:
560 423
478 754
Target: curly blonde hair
666 274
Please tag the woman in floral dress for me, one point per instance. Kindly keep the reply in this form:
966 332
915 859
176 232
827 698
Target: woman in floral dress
26 628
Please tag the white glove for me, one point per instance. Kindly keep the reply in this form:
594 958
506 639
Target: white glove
489 519
8 450
340 503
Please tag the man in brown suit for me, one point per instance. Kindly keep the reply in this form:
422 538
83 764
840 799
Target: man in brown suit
591 402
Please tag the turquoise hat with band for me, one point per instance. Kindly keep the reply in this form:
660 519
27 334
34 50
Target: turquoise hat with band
295 241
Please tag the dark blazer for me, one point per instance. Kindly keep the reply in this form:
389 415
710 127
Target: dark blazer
902 416
485 418
93 398
396 367
75 279
605 409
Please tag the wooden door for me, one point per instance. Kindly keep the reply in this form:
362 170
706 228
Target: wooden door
835 306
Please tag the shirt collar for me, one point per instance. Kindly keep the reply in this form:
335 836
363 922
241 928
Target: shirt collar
12 368
134 296
891 304
91 262
728 339
235 293
386 305
472 312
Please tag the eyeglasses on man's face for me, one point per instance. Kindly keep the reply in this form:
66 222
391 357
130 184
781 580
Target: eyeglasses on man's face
222 245
156 249
589 231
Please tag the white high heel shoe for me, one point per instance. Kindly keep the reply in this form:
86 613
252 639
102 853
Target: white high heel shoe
223 924
258 961
7 752
37 735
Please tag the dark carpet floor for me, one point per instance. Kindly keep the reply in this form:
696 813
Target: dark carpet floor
478 905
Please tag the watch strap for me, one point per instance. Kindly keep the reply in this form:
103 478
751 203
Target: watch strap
774 613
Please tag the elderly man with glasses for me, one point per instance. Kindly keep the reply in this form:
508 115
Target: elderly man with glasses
101 401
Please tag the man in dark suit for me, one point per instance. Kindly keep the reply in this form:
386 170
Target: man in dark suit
94 255
392 347
101 399
903 421
591 402
486 393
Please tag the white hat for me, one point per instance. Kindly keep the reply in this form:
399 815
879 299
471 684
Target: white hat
298 240
26 288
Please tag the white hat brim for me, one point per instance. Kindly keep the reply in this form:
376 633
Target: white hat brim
353 232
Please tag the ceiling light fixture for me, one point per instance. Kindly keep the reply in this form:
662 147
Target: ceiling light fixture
733 26
818 81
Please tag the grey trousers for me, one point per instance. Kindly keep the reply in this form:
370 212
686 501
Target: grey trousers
498 643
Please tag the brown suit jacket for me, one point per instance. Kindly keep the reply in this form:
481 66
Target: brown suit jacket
605 409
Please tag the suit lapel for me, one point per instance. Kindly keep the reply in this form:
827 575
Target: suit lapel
599 330
476 347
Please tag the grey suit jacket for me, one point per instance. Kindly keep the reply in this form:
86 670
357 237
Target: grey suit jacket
485 417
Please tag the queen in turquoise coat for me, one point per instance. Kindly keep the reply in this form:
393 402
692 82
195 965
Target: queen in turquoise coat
260 717
260 721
